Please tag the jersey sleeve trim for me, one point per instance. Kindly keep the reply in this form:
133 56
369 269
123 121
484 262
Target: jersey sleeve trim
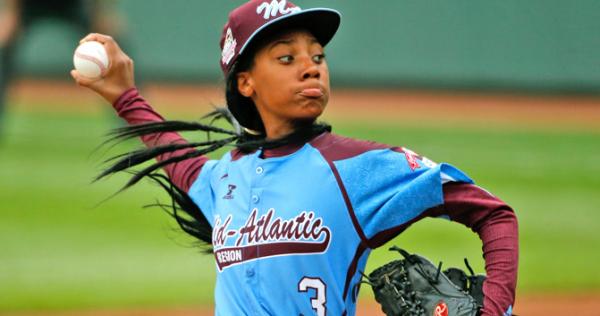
349 206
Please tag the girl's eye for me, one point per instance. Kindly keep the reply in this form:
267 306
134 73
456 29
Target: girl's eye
319 58
286 59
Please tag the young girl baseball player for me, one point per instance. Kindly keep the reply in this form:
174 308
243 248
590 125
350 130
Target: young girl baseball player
293 211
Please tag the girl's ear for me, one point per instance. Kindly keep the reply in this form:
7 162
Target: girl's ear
245 84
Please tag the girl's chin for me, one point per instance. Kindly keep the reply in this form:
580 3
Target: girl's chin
313 110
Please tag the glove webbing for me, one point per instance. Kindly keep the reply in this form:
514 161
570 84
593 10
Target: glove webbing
391 280
394 290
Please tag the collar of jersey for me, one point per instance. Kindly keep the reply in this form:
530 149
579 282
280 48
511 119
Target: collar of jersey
282 151
279 152
287 150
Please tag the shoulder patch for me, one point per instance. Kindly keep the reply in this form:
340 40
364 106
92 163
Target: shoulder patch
411 158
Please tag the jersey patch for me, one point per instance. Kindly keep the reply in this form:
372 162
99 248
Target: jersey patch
411 158
268 236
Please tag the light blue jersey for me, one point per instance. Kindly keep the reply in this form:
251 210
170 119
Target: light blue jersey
291 233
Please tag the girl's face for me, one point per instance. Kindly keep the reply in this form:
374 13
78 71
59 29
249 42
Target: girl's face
288 82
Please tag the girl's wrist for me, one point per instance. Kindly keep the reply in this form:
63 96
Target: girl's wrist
113 95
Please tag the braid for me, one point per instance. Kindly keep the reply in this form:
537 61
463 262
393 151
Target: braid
186 213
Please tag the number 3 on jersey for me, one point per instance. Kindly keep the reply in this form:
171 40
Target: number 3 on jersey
318 301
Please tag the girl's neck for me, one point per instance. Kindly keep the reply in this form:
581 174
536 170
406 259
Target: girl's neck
284 128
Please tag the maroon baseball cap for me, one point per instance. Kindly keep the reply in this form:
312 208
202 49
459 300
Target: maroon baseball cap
256 17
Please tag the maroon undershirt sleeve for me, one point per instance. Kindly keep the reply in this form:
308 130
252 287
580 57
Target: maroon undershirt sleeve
135 110
496 225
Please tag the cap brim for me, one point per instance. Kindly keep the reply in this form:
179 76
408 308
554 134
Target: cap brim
323 23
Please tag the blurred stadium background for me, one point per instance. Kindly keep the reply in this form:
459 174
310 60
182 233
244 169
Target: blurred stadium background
540 45
508 91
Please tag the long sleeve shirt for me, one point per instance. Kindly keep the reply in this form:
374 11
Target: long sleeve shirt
463 202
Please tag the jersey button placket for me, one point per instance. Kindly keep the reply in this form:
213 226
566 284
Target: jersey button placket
249 272
256 202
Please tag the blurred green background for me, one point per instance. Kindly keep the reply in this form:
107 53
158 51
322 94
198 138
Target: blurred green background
62 247
535 45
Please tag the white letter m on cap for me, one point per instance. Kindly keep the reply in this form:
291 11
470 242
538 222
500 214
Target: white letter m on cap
273 8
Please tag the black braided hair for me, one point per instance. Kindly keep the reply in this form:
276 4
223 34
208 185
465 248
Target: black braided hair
187 214
247 139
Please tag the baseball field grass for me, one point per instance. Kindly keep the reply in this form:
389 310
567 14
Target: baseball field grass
65 246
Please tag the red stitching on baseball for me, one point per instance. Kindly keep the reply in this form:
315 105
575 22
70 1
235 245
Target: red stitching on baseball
95 60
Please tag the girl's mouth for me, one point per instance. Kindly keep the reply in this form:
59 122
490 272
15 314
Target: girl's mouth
312 93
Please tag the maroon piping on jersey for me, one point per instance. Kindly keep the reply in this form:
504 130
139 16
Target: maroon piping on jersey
335 147
468 204
360 250
332 148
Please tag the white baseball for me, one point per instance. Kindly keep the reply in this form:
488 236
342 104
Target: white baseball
90 60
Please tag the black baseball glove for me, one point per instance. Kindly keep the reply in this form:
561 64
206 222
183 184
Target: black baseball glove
413 286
